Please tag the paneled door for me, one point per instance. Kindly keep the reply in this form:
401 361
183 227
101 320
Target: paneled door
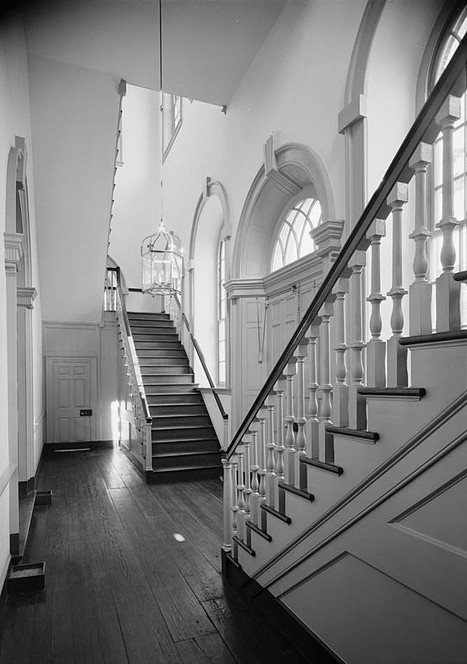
71 400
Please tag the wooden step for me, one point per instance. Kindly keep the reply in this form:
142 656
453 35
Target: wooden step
174 398
184 407
244 546
183 474
139 330
410 392
167 460
366 436
147 315
160 345
316 463
136 323
164 370
262 533
170 388
298 492
437 337
187 432
181 419
198 445
163 360
461 276
279 515
166 379
139 337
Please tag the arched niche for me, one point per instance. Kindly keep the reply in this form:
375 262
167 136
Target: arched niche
211 225
288 171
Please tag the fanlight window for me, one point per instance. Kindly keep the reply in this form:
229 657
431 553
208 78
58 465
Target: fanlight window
294 239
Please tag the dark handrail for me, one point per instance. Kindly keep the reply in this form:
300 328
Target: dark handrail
126 324
202 359
397 171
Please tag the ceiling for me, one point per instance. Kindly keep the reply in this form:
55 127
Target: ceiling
208 45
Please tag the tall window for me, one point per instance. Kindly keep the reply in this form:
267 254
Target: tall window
221 316
294 240
171 120
447 48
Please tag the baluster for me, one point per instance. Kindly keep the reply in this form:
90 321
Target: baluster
227 545
357 414
326 453
234 507
240 498
448 290
254 498
247 489
397 354
300 469
289 454
270 447
420 289
340 393
376 350
280 426
312 411
262 457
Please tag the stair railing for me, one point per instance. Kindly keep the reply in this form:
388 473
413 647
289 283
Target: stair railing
314 386
141 413
180 321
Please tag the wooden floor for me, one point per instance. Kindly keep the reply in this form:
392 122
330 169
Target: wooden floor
132 575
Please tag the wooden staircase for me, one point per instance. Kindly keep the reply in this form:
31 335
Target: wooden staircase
184 443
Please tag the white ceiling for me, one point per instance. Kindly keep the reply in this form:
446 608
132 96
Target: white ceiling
208 45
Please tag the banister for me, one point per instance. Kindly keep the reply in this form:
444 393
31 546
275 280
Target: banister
424 128
127 329
202 359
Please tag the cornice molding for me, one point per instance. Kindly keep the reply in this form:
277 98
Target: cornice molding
236 288
25 296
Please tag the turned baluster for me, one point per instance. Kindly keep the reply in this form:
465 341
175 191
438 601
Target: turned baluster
234 506
376 349
325 406
340 398
254 498
397 354
300 468
447 289
289 454
280 426
357 414
262 457
247 489
227 544
270 448
312 410
240 498
420 289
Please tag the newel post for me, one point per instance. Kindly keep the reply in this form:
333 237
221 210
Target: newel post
447 289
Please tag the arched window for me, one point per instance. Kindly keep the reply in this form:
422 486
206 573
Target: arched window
221 317
444 53
294 239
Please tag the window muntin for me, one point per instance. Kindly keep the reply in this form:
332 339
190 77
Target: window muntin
221 317
294 240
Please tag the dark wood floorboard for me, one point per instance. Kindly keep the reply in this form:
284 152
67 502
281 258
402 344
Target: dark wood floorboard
132 575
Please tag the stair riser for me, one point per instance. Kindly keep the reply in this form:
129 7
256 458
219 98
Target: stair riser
164 346
175 434
163 336
138 331
188 409
162 361
165 371
195 460
173 400
167 379
177 421
200 446
136 324
148 355
183 475
147 316
155 390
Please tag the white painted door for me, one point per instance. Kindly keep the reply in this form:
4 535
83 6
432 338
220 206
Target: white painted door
71 415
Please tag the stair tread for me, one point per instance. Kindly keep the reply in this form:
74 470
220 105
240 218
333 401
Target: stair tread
298 492
418 392
279 515
355 433
258 531
187 468
244 546
461 276
436 337
183 427
184 440
168 455
331 467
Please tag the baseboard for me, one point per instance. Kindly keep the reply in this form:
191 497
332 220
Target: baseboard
50 448
14 544
24 488
299 635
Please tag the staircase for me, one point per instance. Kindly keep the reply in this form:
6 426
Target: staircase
344 485
184 443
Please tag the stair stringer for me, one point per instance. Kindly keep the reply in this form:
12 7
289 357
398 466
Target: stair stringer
367 583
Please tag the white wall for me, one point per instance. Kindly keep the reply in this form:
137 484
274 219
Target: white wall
74 122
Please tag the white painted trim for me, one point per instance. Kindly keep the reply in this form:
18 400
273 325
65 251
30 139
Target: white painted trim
68 324
6 476
39 421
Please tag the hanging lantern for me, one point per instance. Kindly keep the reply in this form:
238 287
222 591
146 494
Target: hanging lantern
162 263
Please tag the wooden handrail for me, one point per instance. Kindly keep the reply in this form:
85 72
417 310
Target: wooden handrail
202 359
424 127
127 329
